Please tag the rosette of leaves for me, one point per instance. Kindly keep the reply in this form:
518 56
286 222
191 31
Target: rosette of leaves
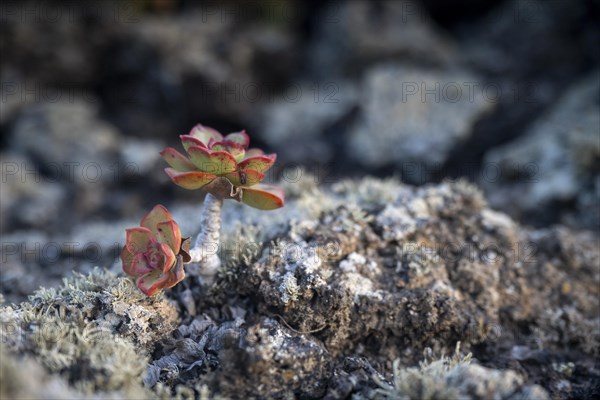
224 167
154 252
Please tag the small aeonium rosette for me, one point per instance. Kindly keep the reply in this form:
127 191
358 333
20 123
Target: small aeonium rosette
154 252
224 167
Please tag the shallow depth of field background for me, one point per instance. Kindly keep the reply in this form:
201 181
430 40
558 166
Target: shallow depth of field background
503 93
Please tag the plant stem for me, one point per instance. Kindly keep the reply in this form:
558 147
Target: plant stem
206 248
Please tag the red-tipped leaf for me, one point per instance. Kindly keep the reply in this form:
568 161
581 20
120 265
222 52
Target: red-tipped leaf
176 274
169 257
246 177
137 239
177 160
260 163
254 152
134 264
240 138
158 214
138 266
214 162
190 180
263 197
151 283
169 233
205 134
230 147
188 141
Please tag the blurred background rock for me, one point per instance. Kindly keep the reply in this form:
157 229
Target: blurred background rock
502 92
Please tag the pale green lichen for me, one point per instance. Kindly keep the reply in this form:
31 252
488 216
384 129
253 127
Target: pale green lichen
96 331
453 378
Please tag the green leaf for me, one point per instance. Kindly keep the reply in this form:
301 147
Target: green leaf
169 233
190 180
260 163
232 148
246 177
158 214
168 257
188 141
214 162
177 160
176 274
240 138
134 264
205 134
254 152
151 283
137 239
263 197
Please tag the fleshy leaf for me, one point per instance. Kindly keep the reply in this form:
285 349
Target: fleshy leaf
138 266
188 141
177 160
260 163
126 257
246 177
137 239
176 274
169 233
232 148
240 138
134 264
263 197
204 133
151 283
158 214
214 162
169 257
254 152
190 180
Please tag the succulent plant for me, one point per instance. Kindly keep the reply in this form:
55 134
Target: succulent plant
154 252
223 167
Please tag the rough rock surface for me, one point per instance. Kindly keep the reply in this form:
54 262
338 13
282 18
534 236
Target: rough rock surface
412 115
556 161
356 34
341 293
320 107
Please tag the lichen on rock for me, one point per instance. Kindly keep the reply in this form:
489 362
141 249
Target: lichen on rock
348 296
96 331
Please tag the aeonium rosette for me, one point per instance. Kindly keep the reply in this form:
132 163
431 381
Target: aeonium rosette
224 167
154 252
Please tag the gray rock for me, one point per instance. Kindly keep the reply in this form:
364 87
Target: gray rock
277 362
412 115
554 161
376 272
294 128
227 68
354 34
68 139
139 157
28 198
